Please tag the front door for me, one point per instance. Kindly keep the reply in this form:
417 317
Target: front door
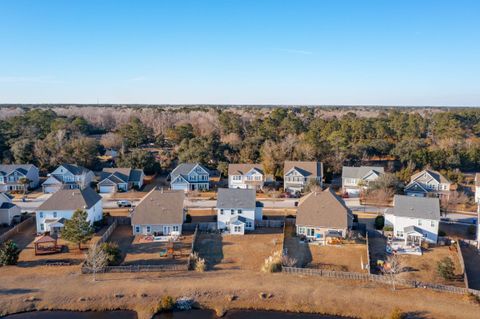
167 230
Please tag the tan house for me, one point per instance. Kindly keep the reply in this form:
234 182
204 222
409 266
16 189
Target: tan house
297 175
247 176
322 217
160 213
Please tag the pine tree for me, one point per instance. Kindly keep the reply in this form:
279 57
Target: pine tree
9 253
77 229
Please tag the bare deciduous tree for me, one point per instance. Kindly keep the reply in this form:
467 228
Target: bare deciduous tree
392 268
96 260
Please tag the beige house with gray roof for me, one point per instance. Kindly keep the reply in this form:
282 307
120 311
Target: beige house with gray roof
297 175
159 213
322 216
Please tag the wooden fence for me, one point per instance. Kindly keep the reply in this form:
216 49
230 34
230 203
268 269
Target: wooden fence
203 226
18 228
138 268
106 235
462 262
377 278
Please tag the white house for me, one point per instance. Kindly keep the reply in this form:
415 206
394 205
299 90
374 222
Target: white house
68 176
11 177
52 213
414 219
160 212
356 179
190 177
323 217
247 176
477 187
237 210
7 209
298 175
428 181
114 180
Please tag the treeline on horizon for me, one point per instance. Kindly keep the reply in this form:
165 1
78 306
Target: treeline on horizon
442 139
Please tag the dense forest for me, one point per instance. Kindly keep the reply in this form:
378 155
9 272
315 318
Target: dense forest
215 136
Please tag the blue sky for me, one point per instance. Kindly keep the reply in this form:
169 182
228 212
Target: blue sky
241 52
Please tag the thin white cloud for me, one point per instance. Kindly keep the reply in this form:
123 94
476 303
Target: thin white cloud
138 78
28 79
295 51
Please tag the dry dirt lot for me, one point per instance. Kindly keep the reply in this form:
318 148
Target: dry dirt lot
135 251
247 252
424 268
202 215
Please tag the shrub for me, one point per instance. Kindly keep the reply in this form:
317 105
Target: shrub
188 218
441 233
397 314
446 268
196 263
425 245
379 222
9 253
200 265
165 304
273 263
472 230
387 228
113 253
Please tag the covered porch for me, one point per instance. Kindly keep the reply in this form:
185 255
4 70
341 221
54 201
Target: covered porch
46 244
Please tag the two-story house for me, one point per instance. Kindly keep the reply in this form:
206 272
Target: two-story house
356 179
7 209
298 175
247 176
237 210
323 217
52 213
114 180
160 212
428 181
190 177
68 176
14 176
414 219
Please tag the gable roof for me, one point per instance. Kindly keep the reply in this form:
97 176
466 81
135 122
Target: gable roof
434 174
360 172
416 207
159 207
304 168
236 198
323 209
121 175
415 187
5 198
242 169
185 168
75 169
7 169
71 199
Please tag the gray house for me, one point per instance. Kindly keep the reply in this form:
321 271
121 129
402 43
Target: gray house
428 181
356 179
114 180
68 176
11 177
297 175
190 177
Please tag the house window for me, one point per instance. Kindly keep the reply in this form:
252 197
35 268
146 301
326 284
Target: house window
137 229
148 229
432 223
175 228
239 211
232 211
310 232
249 224
419 222
42 227
237 229
54 214
301 230
41 214
237 178
399 233
221 211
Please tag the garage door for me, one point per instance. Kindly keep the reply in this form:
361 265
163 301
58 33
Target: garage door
107 189
50 189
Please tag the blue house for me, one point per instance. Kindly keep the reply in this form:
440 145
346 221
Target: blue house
190 177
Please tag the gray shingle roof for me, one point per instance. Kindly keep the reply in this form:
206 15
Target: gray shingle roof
121 175
416 207
75 169
323 209
6 169
71 199
185 168
434 174
160 207
242 169
236 198
359 172
304 168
